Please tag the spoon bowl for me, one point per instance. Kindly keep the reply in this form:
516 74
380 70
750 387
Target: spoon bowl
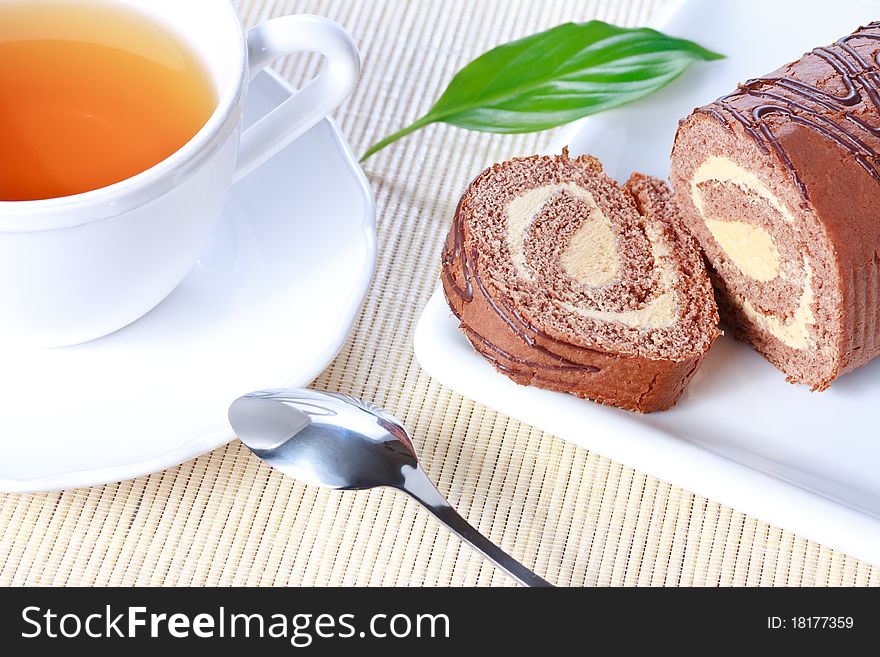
324 439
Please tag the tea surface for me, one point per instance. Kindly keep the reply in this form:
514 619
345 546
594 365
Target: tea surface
91 94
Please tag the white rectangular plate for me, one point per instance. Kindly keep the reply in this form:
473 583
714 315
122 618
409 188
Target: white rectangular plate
741 435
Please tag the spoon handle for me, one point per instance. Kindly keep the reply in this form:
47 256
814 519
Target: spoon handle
419 487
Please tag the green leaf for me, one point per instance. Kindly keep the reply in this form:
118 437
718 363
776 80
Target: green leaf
554 77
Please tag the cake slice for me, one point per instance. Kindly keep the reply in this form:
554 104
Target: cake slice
564 280
780 183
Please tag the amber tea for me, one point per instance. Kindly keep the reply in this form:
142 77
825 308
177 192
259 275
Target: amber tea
91 93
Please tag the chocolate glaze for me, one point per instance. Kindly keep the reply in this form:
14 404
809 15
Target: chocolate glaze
812 107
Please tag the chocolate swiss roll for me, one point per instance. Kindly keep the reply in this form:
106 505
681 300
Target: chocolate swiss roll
564 280
780 183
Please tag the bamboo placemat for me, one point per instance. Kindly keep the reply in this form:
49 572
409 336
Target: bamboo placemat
577 517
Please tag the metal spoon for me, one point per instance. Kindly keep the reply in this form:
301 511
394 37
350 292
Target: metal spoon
332 440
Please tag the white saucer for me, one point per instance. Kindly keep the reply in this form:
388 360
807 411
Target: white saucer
269 304
740 435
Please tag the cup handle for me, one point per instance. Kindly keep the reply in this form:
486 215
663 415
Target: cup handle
284 36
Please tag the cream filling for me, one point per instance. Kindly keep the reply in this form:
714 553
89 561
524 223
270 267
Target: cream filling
752 249
795 332
724 169
656 314
591 257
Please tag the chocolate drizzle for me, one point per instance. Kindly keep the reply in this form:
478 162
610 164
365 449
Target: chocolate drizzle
491 352
455 252
812 107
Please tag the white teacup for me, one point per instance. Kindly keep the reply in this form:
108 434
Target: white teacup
79 267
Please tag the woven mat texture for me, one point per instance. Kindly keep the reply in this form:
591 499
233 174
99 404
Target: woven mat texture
575 516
